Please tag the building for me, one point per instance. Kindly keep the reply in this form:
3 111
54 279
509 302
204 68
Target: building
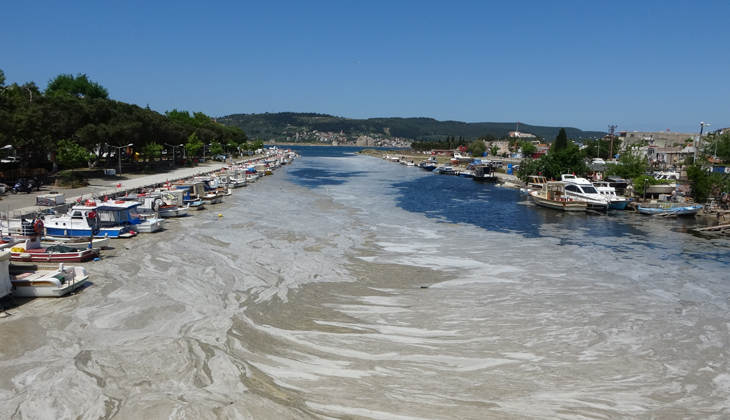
655 138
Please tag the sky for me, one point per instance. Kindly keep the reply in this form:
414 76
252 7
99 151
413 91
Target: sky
639 65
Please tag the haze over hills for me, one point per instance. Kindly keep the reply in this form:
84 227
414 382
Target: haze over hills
294 127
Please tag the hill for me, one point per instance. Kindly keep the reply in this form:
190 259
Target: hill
294 127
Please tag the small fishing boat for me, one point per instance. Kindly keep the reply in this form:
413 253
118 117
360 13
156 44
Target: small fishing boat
76 243
668 209
31 250
554 196
40 280
111 219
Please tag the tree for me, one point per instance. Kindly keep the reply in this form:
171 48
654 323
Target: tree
79 86
527 148
555 164
632 164
493 150
2 78
715 144
477 148
216 148
151 150
194 145
71 155
561 141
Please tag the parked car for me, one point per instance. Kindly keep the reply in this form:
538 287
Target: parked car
599 161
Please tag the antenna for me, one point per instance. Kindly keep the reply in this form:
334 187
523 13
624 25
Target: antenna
611 131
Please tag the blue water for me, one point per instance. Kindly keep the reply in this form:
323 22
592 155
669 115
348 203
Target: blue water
453 199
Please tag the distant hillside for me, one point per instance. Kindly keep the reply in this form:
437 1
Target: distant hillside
284 126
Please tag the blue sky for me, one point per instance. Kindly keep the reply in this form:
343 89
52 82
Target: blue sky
641 65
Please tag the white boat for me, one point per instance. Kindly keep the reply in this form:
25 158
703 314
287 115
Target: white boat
40 280
554 196
6 286
668 183
163 204
116 219
615 201
582 189
76 243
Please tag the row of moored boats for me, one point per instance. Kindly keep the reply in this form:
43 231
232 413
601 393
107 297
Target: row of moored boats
30 246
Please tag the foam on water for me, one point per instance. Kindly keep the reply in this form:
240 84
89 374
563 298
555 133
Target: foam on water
305 301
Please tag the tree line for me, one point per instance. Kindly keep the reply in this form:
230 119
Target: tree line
75 112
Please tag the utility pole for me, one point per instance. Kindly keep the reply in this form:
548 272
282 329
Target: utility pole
611 131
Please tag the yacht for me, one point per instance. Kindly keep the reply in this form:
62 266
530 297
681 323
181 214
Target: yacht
582 189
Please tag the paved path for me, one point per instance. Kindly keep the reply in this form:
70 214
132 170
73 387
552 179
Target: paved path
23 203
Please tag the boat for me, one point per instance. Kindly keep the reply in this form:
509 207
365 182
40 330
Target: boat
76 243
667 183
668 209
555 196
197 190
615 201
31 250
115 219
40 280
535 183
6 286
582 189
618 183
484 173
163 204
445 170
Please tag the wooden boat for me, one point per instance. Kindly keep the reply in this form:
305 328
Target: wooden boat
40 280
30 250
554 196
75 243
668 209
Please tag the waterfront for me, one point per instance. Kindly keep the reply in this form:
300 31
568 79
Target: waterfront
305 300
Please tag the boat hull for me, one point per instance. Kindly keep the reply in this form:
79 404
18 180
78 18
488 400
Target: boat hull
563 205
40 255
670 211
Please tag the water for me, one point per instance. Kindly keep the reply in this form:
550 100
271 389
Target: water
349 287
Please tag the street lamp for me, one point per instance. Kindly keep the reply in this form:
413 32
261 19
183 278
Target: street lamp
697 146
119 154
173 152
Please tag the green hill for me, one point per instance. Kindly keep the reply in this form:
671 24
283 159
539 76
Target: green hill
284 126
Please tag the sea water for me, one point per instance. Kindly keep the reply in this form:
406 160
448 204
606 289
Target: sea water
346 286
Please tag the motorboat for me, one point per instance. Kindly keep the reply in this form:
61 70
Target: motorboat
618 183
163 204
582 189
668 209
615 201
445 170
554 196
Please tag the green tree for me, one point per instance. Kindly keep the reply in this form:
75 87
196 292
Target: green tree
70 155
632 164
561 141
554 164
216 148
715 144
527 148
477 148
150 150
194 145
493 150
79 86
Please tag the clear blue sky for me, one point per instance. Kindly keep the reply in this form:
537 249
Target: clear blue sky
641 65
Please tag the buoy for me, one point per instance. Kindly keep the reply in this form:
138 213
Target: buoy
220 214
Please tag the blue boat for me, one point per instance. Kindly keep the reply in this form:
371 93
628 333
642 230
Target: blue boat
669 209
113 219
